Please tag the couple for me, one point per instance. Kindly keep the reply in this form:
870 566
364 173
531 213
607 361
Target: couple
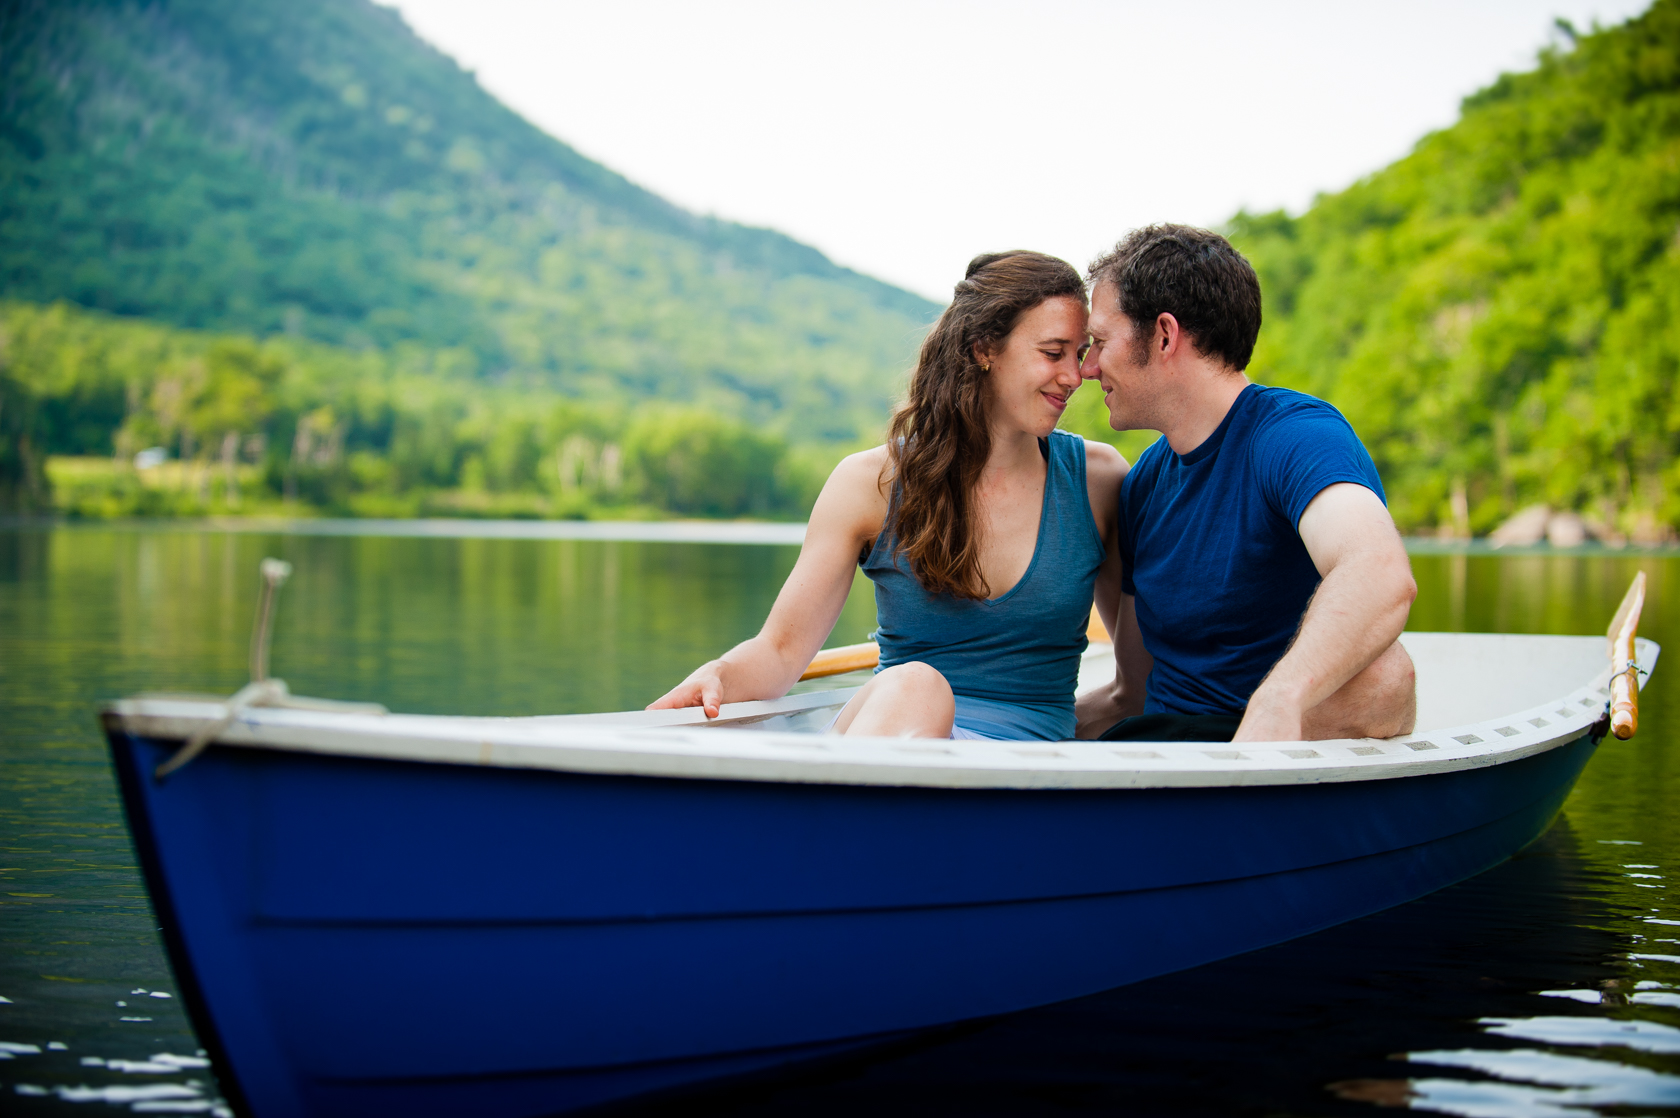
1246 566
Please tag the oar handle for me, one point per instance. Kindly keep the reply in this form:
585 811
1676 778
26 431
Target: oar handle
858 657
846 658
1624 664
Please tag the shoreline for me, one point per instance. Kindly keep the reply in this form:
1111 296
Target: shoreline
761 532
616 531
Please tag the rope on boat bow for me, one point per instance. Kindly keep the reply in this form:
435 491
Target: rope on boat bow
274 574
261 691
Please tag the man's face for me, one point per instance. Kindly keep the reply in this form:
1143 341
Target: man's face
1113 362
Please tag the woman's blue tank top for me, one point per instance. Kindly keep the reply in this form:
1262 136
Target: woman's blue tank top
1013 660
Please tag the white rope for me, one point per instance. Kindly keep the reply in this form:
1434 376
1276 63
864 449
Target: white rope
261 691
252 694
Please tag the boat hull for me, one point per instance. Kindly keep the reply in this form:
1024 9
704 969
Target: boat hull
360 936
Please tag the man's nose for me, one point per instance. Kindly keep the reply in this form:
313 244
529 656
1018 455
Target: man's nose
1088 368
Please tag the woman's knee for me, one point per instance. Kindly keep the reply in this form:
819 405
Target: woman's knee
910 696
913 677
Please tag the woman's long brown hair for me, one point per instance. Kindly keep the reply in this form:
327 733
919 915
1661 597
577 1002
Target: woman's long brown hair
939 439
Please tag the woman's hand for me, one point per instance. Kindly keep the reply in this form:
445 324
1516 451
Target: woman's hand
702 688
847 516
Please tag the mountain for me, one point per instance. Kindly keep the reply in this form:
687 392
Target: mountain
1498 313
281 220
312 168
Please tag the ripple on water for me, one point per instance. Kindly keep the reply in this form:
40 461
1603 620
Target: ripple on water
153 1098
1641 1036
1537 1084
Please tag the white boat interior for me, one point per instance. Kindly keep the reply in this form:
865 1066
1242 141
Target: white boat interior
1483 698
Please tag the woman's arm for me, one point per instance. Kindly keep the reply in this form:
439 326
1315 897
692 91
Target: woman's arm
848 514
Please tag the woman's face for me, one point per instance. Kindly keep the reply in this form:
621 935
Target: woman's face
1037 368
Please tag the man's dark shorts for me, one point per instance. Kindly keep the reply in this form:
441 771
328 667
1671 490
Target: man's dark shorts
1174 727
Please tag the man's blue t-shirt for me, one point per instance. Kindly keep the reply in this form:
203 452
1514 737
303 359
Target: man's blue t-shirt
1211 547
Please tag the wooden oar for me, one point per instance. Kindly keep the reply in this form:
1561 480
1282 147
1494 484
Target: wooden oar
858 657
1624 684
846 658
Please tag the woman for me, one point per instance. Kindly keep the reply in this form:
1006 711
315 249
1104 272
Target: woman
981 525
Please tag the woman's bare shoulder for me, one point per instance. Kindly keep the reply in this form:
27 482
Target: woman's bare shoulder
1104 463
854 500
867 470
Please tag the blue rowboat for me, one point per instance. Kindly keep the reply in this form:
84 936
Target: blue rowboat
390 914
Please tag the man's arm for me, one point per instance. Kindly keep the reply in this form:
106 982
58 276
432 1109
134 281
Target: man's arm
1102 707
1353 621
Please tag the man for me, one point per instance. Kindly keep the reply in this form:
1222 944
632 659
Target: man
1263 585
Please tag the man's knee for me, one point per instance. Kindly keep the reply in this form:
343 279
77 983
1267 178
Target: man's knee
1393 674
1389 693
1379 702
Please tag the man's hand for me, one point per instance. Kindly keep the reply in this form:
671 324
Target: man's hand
1350 631
1100 708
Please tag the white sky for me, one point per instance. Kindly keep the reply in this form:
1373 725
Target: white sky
903 137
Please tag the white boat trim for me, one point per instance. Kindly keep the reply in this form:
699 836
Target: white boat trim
759 741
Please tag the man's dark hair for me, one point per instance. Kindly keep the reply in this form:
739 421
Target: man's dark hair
1195 276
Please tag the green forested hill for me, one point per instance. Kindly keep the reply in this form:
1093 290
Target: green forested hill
310 167
1498 313
302 245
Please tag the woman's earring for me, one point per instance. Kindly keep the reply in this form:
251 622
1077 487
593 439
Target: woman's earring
985 368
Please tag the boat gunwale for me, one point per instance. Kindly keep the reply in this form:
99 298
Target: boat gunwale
688 750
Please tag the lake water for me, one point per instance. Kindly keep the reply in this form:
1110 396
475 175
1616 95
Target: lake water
1548 986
